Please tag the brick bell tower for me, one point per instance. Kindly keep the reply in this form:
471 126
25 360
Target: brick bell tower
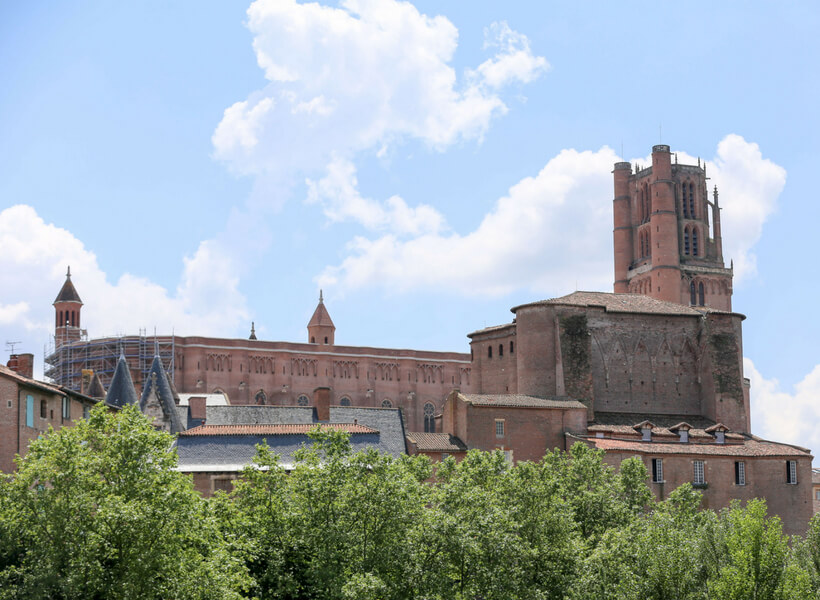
67 307
667 240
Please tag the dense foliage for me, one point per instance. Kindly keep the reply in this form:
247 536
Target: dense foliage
98 511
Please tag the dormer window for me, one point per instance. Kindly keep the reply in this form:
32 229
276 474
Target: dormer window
720 437
684 436
646 430
719 431
682 429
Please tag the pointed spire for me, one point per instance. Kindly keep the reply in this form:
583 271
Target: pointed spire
68 292
121 390
321 300
159 388
252 336
68 272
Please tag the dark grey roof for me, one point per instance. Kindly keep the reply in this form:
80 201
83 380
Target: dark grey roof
95 388
121 390
68 293
156 382
231 452
251 415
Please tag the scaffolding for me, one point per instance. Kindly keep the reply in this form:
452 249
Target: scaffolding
66 360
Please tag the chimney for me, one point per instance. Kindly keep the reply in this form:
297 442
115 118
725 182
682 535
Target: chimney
197 407
85 380
22 364
321 403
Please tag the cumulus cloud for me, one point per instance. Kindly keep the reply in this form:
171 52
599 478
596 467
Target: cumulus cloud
338 194
791 416
361 76
553 232
207 300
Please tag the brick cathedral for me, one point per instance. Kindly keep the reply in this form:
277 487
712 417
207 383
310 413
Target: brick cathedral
654 369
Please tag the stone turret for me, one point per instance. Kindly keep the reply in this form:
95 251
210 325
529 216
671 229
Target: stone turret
321 329
67 307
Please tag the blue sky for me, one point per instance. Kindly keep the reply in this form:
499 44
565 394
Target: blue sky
429 165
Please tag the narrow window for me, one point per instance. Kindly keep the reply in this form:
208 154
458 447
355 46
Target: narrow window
429 418
86 411
683 201
686 241
791 472
43 409
489 351
694 241
499 428
325 339
29 411
500 350
512 346
693 297
657 470
699 478
66 408
740 472
691 201
701 295
646 434
312 340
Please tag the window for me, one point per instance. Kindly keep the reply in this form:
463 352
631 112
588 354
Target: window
695 241
429 418
701 294
261 397
740 472
29 411
693 295
312 340
325 339
512 346
345 401
387 403
699 477
791 472
817 494
489 351
691 201
43 409
66 408
86 411
646 434
686 241
303 400
499 428
657 470
500 350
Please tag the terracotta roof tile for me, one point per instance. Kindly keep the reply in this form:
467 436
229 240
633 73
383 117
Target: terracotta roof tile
749 447
624 303
436 442
520 400
274 429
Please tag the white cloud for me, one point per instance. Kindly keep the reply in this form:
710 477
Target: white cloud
36 254
360 76
339 196
553 232
782 415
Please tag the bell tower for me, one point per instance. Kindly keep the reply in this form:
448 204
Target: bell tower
321 329
667 236
67 307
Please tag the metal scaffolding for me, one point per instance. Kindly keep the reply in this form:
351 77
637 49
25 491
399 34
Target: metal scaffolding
66 360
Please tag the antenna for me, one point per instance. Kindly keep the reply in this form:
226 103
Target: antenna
11 345
622 149
660 133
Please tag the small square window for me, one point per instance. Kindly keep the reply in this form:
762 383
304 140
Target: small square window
499 428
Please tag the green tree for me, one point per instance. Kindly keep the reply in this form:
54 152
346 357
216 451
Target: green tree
98 511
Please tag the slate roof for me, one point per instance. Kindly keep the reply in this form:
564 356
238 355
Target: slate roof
624 303
436 442
248 415
156 382
520 401
279 429
388 422
121 390
95 388
68 292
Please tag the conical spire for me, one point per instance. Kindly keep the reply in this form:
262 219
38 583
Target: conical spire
252 336
68 293
321 329
320 316
158 391
95 388
121 391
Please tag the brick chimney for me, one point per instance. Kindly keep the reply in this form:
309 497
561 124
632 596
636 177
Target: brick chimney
22 364
321 402
198 408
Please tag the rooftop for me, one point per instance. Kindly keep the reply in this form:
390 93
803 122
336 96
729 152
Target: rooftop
624 303
277 429
436 442
520 401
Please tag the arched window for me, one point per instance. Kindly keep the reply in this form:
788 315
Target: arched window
312 340
429 418
303 400
691 201
345 401
701 295
692 294
686 241
387 403
489 351
325 339
260 397
694 241
500 350
683 205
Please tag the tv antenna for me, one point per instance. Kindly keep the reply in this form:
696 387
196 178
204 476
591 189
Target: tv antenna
11 345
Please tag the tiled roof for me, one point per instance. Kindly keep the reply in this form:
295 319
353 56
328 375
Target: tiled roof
320 316
520 400
436 442
749 447
660 420
281 429
11 374
492 329
624 303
